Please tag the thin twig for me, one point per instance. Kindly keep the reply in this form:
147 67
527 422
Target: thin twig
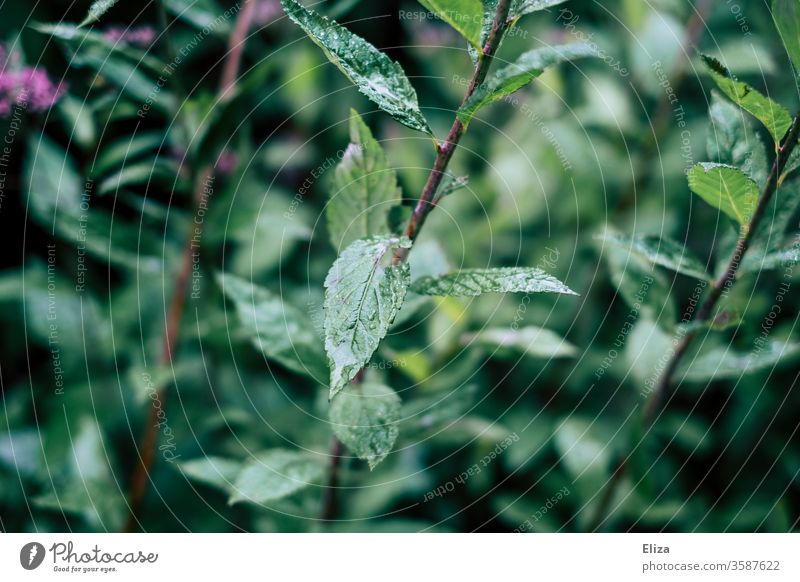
147 448
705 313
233 58
445 150
726 280
329 507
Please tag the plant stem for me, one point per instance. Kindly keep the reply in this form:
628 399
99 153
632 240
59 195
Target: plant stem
147 449
202 179
233 59
726 280
444 153
445 150
705 313
329 494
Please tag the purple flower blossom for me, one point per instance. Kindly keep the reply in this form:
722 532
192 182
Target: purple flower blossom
266 11
226 162
29 87
139 35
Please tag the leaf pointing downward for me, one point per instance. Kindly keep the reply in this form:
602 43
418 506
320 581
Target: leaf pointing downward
362 298
376 75
365 418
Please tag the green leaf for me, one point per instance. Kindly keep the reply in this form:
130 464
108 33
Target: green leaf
371 71
96 10
782 258
365 418
125 150
732 141
661 251
450 184
275 474
432 411
770 235
516 75
645 290
724 319
204 15
529 340
58 201
364 189
522 7
143 173
774 117
83 483
54 185
78 120
786 14
645 348
281 331
489 10
726 188
466 16
474 282
218 472
584 452
362 298
728 363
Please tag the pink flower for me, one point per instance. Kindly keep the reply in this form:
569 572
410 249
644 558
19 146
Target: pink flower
226 162
139 35
29 87
266 11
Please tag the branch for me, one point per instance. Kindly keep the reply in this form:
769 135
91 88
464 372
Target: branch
704 314
329 493
233 58
726 280
147 448
445 150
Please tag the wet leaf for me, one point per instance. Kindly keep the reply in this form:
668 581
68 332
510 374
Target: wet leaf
365 418
363 294
473 282
371 71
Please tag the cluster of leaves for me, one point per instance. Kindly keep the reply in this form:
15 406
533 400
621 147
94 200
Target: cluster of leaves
420 356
